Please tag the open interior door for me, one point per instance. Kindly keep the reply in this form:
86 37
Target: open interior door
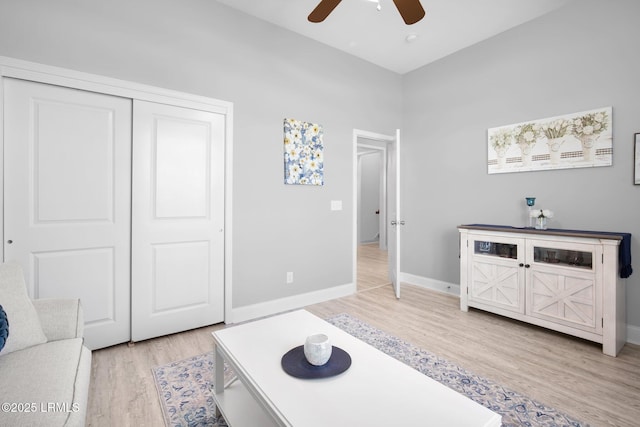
395 222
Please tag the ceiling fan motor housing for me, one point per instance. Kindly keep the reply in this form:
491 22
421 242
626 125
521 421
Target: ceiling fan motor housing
410 10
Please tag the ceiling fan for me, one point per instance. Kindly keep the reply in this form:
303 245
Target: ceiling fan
410 10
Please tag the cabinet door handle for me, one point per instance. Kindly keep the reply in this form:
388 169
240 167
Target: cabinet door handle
521 265
527 265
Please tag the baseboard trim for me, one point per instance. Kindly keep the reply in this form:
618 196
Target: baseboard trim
633 334
268 308
433 284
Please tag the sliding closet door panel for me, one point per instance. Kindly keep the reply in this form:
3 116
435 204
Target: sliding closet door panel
178 219
183 263
182 168
97 267
67 172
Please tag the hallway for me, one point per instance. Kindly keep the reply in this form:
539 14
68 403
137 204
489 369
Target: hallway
373 270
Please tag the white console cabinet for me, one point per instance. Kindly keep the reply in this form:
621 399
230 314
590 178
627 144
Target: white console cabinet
562 280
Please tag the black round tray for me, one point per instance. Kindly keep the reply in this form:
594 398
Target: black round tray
295 364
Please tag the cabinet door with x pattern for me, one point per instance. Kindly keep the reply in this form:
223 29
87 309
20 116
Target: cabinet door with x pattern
562 285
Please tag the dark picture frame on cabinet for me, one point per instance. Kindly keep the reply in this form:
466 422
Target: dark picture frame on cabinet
636 159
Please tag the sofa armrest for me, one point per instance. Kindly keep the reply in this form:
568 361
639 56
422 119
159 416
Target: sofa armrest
60 318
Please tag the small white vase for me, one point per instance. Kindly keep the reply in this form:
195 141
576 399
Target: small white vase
317 349
554 149
526 153
588 146
502 159
541 223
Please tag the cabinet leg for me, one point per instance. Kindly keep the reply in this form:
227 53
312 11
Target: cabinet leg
464 305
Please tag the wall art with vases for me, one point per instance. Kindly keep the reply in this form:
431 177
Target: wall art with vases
576 140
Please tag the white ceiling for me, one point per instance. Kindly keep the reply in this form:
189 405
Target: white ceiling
356 27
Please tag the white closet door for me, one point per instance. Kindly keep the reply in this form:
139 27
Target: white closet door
178 219
68 200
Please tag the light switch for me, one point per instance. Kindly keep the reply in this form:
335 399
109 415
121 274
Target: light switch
336 205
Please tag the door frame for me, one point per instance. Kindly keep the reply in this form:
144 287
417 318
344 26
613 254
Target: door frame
373 136
25 70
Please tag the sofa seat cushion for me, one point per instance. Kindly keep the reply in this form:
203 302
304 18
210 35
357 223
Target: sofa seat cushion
43 376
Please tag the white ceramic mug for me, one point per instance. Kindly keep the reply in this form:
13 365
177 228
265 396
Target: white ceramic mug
317 349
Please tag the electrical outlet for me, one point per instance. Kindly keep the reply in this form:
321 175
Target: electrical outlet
289 276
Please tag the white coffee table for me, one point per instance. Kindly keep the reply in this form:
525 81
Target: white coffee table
377 390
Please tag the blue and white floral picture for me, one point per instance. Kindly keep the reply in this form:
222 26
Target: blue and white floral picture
303 153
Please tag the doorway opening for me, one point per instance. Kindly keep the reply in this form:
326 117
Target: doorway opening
371 263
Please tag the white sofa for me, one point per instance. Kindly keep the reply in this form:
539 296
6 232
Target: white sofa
45 369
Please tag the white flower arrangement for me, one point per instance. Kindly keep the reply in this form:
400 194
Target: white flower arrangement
541 213
501 139
590 124
556 129
527 134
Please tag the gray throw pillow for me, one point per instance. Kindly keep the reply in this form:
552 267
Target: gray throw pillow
26 330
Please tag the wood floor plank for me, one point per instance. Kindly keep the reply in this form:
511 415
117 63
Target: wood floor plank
564 372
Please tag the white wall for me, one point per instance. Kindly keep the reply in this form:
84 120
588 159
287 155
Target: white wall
580 57
205 48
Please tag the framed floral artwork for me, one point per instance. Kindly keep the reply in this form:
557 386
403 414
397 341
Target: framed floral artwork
303 153
575 140
636 157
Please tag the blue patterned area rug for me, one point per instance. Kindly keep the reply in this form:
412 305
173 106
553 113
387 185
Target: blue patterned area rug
184 386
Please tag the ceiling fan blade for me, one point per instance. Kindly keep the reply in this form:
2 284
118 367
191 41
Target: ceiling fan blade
410 10
322 10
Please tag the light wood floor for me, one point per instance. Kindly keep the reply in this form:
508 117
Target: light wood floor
372 267
569 374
